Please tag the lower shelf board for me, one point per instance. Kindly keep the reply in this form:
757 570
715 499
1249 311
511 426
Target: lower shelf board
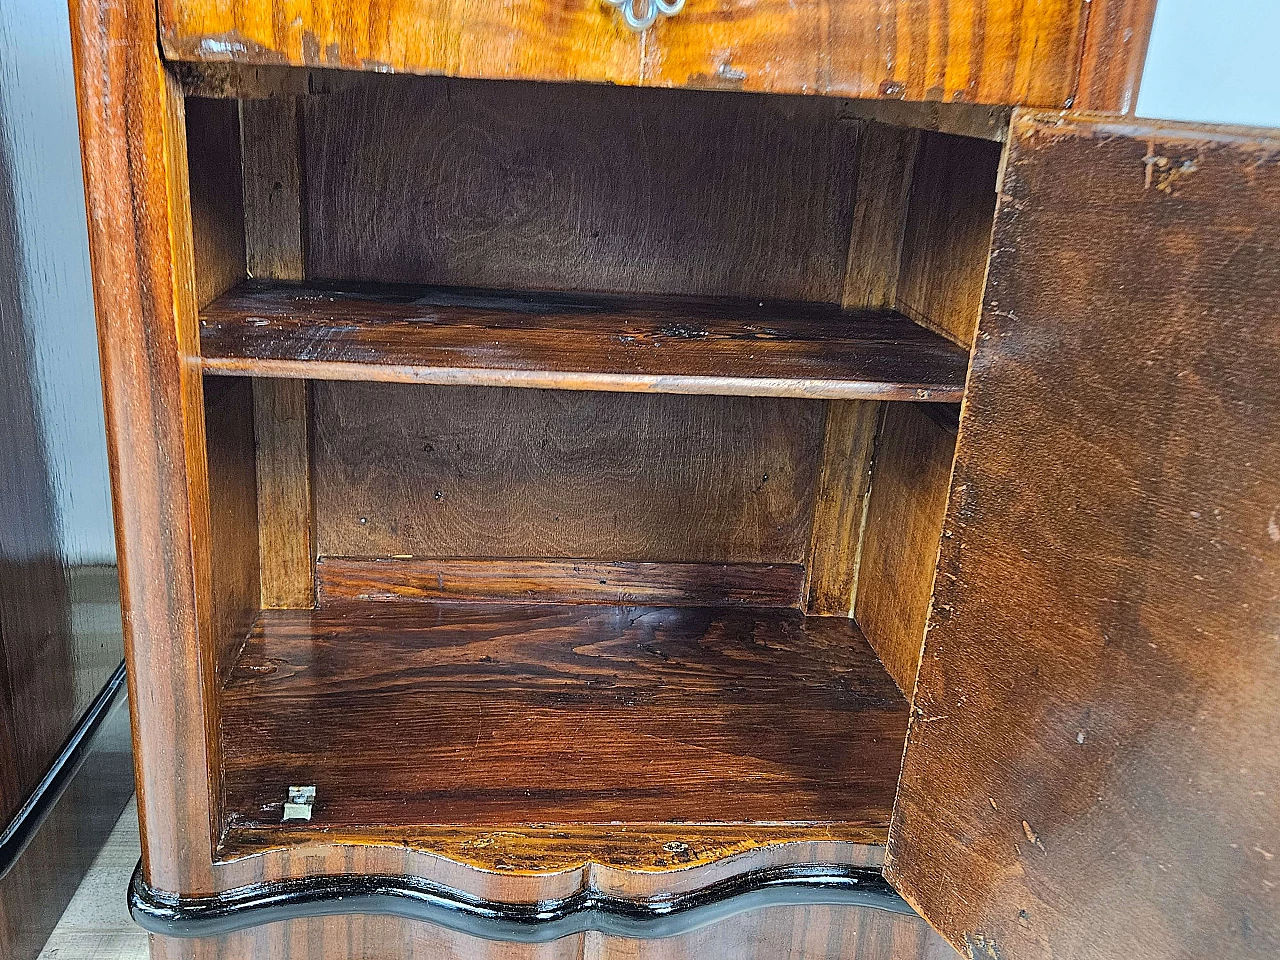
517 735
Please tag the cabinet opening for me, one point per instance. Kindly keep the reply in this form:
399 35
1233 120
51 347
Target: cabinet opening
577 459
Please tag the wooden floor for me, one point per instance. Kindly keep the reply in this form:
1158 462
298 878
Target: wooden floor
490 714
96 924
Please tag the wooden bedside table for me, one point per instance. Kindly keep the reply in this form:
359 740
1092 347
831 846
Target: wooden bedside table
548 509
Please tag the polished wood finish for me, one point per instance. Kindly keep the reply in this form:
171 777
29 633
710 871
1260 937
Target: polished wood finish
909 487
982 51
281 417
36 890
1095 709
840 505
60 636
948 234
576 342
387 579
38 699
781 933
451 472
492 715
550 187
133 145
1115 51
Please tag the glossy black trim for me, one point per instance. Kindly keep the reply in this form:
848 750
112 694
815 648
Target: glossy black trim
415 899
26 822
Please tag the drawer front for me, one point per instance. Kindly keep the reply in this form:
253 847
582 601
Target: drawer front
977 51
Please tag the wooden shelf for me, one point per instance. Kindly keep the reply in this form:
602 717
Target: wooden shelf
577 342
599 725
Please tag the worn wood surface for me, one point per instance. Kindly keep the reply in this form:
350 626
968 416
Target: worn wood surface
1093 758
982 51
577 341
212 157
233 514
886 164
382 579
909 487
272 185
840 503
1115 51
453 472
491 715
550 187
133 148
281 414
948 234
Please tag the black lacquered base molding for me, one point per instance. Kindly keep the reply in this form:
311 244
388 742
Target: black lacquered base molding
19 832
415 899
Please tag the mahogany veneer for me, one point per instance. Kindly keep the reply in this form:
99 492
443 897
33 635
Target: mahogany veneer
489 715
576 341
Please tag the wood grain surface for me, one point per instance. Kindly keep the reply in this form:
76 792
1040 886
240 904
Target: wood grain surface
947 238
473 472
550 187
492 715
780 933
840 507
982 51
281 420
388 579
233 514
215 194
909 488
577 341
1093 756
1115 51
133 144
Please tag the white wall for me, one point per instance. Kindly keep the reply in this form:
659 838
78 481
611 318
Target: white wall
1214 61
38 115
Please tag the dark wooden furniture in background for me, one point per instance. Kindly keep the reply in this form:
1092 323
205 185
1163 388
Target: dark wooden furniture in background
532 493
65 770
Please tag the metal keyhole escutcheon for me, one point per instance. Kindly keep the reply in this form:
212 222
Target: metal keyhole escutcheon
638 21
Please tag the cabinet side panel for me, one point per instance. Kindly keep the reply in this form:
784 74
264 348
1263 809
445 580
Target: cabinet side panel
133 148
948 234
485 472
909 485
1094 758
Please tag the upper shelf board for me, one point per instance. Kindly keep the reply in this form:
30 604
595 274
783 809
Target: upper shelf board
564 341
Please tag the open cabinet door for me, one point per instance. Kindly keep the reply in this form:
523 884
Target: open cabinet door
1093 766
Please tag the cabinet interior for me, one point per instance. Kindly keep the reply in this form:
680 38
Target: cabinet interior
577 455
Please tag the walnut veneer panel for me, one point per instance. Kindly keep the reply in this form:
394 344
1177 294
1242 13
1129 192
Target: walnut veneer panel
478 472
982 51
551 187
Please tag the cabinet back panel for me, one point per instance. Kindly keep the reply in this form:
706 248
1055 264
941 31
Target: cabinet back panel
476 472
578 188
